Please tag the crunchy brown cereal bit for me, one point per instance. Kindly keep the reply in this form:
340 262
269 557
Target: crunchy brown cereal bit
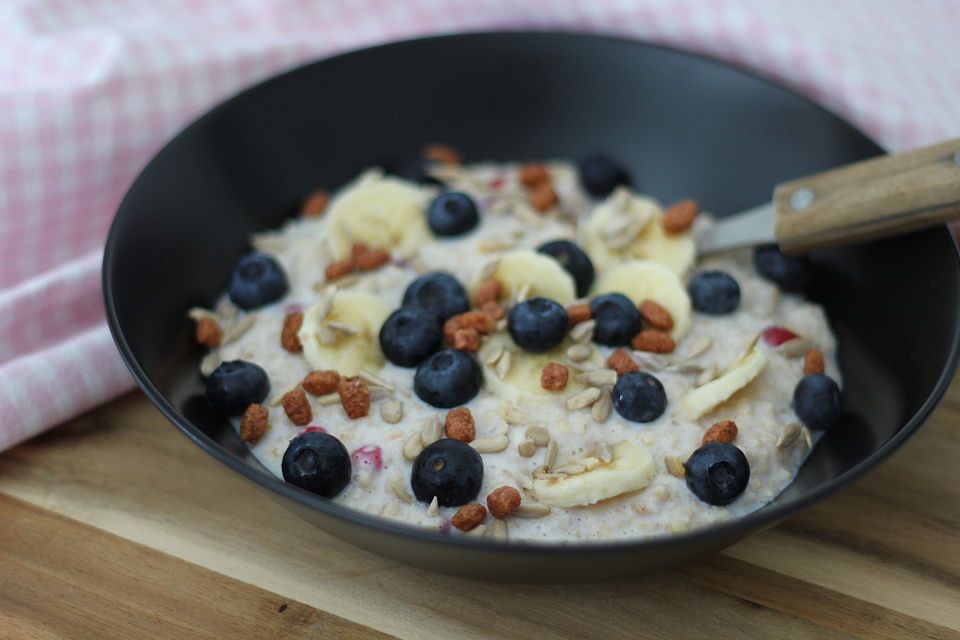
357 250
315 203
289 339
723 431
338 268
372 259
354 396
533 174
653 341
320 383
459 425
450 328
477 320
493 310
441 153
813 362
489 291
208 332
254 423
578 313
621 362
554 377
469 516
680 216
503 501
655 316
297 408
542 197
466 340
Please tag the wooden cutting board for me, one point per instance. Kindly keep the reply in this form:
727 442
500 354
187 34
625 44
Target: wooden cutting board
116 526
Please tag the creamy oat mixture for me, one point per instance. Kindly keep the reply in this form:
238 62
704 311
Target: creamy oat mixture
512 401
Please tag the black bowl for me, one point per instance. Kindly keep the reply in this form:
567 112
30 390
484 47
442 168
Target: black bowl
686 126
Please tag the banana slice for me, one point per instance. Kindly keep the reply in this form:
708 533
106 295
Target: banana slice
630 469
642 280
540 272
345 338
520 383
712 394
627 226
380 211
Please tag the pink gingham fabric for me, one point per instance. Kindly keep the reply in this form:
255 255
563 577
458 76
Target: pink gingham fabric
90 89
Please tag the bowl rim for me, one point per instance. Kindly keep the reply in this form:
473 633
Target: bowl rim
761 518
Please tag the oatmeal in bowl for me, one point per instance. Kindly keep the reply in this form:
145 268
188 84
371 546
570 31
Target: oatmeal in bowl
523 351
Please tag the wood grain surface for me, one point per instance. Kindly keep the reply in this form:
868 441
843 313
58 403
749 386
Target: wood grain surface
116 526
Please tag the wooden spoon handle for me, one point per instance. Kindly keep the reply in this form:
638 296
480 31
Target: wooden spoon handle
884 196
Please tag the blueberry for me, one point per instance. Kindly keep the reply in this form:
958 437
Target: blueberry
256 280
617 318
452 213
791 273
449 469
447 379
714 292
409 335
537 324
600 175
574 260
717 473
317 462
639 397
818 402
439 293
235 385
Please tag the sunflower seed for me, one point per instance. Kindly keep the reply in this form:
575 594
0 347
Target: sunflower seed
513 415
627 236
579 352
501 324
550 457
522 293
490 444
598 377
651 361
526 447
501 428
199 313
600 410
789 435
267 243
342 328
413 446
227 310
503 365
620 198
379 393
795 348
498 530
325 301
674 466
582 399
529 509
374 380
399 488
391 410
617 227
209 363
698 347
477 531
326 335
807 438
431 430
492 245
235 330
604 452
539 435
489 270
686 368
583 332
434 508
330 398
491 352
586 365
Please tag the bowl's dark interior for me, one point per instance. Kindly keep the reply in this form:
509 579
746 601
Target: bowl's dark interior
684 126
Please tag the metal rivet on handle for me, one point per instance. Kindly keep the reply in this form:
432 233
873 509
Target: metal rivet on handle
801 199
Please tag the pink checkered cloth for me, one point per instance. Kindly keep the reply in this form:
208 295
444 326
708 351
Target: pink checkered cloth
90 89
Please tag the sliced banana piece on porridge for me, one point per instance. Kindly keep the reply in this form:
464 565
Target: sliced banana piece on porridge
542 274
630 468
642 280
705 398
344 334
379 211
520 381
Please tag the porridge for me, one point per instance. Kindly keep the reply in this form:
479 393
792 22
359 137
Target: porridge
529 351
